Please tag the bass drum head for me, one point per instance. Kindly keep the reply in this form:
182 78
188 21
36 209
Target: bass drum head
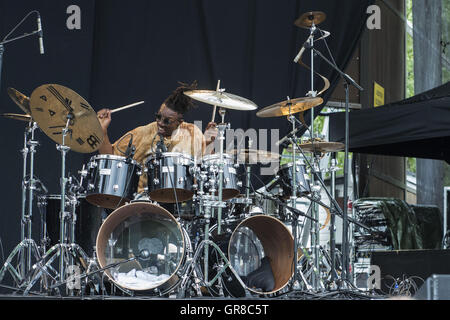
261 251
149 233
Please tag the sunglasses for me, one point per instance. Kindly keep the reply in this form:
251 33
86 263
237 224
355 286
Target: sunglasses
166 121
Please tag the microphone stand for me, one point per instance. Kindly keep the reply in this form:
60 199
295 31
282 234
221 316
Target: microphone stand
345 242
4 41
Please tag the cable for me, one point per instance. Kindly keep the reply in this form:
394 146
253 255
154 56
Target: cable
14 29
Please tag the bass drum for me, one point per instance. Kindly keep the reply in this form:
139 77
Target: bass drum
260 250
152 236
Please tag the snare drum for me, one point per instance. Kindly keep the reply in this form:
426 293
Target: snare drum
112 180
169 177
230 181
300 178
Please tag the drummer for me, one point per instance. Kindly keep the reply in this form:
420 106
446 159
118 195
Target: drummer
169 128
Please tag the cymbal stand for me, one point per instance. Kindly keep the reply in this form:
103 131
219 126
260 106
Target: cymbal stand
298 274
209 203
333 274
66 249
27 248
345 219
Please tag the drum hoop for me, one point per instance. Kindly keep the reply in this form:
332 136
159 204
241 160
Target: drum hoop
172 154
179 228
290 164
112 157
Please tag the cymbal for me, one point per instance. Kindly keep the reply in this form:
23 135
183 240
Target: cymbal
20 99
15 116
255 156
282 108
51 107
307 19
320 147
222 99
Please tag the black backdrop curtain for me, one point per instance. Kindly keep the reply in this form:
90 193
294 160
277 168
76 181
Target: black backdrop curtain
138 50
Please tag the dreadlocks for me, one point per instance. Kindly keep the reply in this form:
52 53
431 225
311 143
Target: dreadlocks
178 101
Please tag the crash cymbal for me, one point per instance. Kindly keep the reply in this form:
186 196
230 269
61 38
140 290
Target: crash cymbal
255 156
307 19
283 109
52 105
20 99
222 99
320 147
15 116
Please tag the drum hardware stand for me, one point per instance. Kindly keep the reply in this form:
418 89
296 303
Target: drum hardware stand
191 265
27 248
64 249
332 228
334 208
347 81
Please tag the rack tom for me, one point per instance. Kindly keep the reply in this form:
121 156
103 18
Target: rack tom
169 177
112 180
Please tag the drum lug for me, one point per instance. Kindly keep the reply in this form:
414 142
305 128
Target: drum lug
116 187
239 184
91 186
155 181
180 180
119 165
92 165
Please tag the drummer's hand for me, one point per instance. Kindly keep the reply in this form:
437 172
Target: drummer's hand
104 116
211 132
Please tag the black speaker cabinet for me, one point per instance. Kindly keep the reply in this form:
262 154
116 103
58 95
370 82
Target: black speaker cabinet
437 287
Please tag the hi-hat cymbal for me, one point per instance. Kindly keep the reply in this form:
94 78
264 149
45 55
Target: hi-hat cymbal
20 99
292 106
255 156
320 147
307 19
222 99
52 105
15 116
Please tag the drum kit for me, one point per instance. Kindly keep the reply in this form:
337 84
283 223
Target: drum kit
218 241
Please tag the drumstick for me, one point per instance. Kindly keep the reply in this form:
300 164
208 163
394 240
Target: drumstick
127 106
214 110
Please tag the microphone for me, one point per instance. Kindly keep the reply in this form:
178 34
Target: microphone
287 137
40 33
129 153
304 46
160 145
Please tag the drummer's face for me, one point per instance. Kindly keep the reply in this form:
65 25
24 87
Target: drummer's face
167 120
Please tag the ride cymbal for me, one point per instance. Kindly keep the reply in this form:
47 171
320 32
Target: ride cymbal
222 99
307 19
320 147
20 99
288 107
52 106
